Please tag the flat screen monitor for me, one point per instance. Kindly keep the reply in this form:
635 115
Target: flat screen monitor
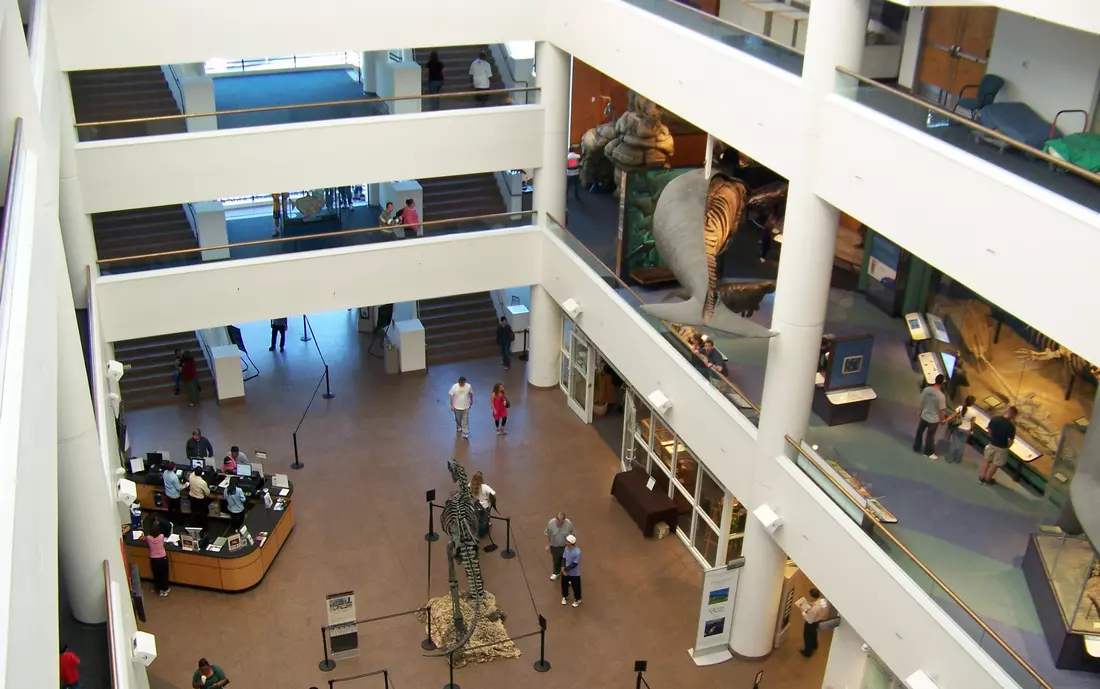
197 463
153 459
948 363
914 324
244 470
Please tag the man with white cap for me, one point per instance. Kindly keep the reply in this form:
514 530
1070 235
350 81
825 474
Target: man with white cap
571 571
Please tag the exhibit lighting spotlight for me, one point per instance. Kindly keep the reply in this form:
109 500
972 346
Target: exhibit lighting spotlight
768 517
920 680
571 308
116 369
660 403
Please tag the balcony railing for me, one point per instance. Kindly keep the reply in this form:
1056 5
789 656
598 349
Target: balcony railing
1027 162
724 385
304 112
867 513
311 242
740 38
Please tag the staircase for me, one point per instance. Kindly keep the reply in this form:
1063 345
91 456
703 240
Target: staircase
459 328
456 73
148 383
461 196
101 95
145 231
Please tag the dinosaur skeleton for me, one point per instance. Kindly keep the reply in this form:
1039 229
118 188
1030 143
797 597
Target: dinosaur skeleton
460 522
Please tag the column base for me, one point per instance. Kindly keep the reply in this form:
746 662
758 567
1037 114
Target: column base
752 659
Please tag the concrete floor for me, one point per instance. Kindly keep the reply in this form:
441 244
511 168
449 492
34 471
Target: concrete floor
369 455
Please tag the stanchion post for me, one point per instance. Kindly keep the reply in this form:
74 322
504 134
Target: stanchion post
639 667
542 665
305 330
507 553
328 664
451 672
297 462
429 496
386 678
328 390
427 644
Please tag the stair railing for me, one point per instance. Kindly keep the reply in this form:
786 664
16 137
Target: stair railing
209 356
501 53
189 210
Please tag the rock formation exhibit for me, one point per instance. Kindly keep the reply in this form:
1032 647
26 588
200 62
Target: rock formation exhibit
638 140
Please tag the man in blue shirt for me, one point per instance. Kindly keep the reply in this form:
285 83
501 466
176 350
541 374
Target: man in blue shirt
571 571
172 489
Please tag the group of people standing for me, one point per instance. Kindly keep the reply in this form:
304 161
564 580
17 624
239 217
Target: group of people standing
397 222
960 428
565 557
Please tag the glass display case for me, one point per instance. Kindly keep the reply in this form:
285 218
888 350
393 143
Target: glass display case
1073 569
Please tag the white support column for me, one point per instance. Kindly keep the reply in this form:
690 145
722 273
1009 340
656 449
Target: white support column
552 69
76 226
847 659
88 518
801 298
544 342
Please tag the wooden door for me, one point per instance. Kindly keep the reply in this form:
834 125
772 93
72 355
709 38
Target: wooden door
954 49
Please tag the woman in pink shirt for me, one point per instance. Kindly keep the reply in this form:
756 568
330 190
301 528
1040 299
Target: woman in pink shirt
158 558
410 217
499 401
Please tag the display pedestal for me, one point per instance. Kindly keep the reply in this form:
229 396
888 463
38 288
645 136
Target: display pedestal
519 318
228 378
409 338
839 407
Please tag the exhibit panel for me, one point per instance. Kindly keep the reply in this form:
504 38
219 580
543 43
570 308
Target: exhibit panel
709 520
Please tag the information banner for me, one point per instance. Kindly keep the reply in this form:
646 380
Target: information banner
343 634
716 614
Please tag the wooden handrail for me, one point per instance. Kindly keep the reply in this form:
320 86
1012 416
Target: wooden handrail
971 124
951 594
297 106
338 233
718 20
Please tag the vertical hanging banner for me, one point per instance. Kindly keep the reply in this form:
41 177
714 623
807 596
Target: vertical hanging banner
712 639
343 634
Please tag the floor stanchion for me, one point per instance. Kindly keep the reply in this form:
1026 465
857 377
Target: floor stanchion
431 535
542 664
328 664
305 330
451 672
508 553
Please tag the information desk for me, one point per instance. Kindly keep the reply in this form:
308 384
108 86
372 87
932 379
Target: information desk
647 507
238 570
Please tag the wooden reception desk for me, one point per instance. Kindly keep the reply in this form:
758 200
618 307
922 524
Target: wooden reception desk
238 570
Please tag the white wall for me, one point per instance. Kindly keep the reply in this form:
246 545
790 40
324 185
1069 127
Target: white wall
1047 66
128 33
256 289
847 660
747 103
199 166
649 362
1015 243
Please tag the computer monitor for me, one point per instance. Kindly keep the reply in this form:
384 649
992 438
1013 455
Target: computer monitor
153 459
244 470
197 463
948 363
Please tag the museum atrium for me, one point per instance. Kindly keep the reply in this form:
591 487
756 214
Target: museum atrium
742 251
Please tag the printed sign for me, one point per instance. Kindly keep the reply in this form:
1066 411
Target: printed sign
716 614
343 634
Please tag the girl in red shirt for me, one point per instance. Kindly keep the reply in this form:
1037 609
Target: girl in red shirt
499 401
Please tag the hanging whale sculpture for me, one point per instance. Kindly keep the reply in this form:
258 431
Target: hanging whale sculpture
693 223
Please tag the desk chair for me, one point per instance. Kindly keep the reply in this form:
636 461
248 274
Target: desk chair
986 93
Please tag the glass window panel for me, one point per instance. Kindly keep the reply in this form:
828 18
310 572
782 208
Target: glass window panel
687 469
706 542
737 521
642 416
566 334
578 387
565 372
580 356
684 514
637 452
734 548
664 442
661 478
711 496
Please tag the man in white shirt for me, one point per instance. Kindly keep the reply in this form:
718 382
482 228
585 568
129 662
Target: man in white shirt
482 72
462 399
815 612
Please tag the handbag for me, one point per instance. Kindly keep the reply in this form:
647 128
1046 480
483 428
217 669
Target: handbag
507 404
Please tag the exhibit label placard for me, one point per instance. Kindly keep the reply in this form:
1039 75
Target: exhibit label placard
716 614
343 633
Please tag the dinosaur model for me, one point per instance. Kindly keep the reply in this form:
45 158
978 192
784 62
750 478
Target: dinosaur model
693 223
460 522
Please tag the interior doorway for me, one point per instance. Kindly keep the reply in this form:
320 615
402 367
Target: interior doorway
578 369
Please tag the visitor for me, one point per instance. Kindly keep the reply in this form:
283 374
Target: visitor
500 404
505 338
435 78
234 503
208 676
158 557
237 456
277 213
485 497
173 487
556 532
482 72
462 400
932 411
198 446
229 465
177 367
960 427
189 372
70 669
1002 433
571 571
411 219
573 174
199 493
387 217
813 615
278 328
714 359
